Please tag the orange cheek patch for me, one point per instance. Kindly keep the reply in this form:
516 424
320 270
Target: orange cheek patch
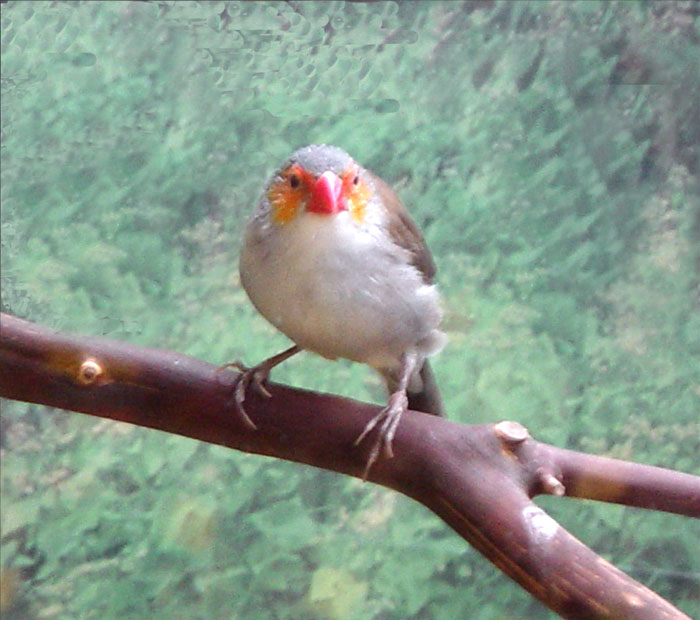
285 202
358 197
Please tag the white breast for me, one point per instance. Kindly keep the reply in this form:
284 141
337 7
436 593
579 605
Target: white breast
340 290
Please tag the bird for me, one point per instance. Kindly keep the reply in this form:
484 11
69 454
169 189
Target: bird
333 260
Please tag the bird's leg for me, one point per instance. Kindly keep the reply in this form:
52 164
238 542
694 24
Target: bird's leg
388 418
257 374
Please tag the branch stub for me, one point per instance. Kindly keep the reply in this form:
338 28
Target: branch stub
89 372
511 432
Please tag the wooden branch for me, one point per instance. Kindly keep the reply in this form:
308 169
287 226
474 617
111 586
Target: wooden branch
478 479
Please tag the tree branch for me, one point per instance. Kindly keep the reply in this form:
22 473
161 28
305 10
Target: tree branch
478 479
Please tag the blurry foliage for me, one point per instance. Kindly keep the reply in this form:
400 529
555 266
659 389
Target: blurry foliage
549 150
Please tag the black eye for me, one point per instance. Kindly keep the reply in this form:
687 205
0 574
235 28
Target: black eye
356 180
294 181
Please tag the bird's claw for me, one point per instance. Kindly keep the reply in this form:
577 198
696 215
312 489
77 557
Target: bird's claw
387 420
257 375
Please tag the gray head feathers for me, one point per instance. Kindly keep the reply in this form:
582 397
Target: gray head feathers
317 158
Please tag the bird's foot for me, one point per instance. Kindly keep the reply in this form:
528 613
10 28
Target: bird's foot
257 375
387 420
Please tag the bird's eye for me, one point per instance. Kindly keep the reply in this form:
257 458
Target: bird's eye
356 180
294 181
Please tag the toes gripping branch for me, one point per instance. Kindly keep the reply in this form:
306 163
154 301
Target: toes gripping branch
258 376
387 420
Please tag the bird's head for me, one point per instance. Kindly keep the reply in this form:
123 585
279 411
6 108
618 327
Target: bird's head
319 179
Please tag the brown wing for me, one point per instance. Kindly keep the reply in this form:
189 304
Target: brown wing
403 229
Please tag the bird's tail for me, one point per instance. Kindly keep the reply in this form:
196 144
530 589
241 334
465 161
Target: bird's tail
429 398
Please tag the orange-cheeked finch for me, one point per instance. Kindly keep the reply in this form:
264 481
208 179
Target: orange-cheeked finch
333 260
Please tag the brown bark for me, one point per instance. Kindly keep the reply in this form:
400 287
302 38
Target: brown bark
478 479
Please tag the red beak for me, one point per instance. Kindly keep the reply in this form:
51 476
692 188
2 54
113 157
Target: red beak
326 195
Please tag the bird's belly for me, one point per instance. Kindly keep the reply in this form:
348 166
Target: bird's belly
343 296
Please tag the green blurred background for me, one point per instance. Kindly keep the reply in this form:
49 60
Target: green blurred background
548 150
